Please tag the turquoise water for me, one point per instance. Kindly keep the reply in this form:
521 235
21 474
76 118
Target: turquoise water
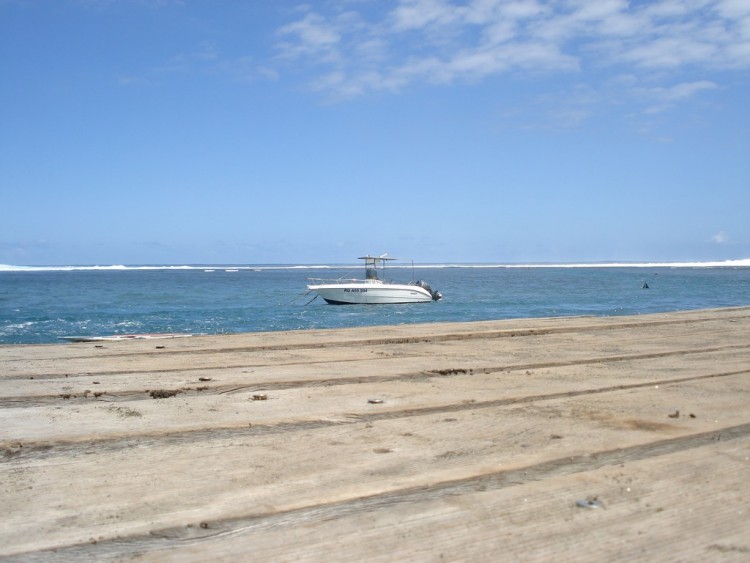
39 305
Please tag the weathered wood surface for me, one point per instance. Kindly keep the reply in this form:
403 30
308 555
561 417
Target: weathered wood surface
486 437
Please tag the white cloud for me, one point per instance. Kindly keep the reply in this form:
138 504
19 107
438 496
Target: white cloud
734 8
445 41
665 97
312 36
720 238
670 52
687 89
418 14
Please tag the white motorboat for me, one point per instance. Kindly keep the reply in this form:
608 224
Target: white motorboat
372 289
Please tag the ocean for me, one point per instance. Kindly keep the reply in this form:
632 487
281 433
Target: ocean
42 304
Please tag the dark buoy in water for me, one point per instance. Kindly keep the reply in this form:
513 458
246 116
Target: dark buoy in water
645 285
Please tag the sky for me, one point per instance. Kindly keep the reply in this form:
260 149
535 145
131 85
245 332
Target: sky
444 131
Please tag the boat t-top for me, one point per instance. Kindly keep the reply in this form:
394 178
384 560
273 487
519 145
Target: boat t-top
372 289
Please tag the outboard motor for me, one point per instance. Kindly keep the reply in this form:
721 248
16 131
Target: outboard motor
436 295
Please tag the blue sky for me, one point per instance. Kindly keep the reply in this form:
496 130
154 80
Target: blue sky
503 131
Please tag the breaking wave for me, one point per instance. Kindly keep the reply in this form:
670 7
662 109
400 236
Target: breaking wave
741 263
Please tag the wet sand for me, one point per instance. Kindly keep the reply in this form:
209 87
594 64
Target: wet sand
591 439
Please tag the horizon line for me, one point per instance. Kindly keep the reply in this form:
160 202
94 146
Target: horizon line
742 262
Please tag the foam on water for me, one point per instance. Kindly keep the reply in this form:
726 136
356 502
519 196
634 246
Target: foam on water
741 263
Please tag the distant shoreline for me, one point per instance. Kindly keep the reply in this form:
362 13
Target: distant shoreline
740 263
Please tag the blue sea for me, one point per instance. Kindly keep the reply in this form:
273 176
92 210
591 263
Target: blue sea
42 304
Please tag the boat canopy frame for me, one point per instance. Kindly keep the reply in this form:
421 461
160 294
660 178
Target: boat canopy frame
372 263
371 266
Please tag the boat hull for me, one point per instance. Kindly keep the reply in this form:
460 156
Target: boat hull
371 294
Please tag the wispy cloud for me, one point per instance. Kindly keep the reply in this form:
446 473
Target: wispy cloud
352 53
720 238
665 97
312 36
